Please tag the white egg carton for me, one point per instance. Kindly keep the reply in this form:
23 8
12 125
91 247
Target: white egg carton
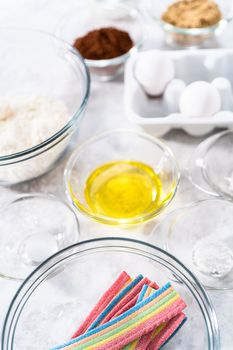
153 115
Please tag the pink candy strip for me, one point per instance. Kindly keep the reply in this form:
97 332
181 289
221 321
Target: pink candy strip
123 304
107 297
133 301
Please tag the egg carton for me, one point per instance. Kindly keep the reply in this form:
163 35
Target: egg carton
155 116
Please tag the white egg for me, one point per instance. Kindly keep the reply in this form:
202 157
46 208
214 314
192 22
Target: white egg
221 83
223 86
172 94
200 99
154 70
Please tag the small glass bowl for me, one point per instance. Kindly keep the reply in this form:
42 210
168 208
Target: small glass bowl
57 296
210 168
33 227
117 145
191 37
83 19
31 62
200 235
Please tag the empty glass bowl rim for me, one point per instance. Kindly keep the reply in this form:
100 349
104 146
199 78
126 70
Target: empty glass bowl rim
181 210
44 196
217 189
206 145
36 195
111 242
105 219
110 61
31 152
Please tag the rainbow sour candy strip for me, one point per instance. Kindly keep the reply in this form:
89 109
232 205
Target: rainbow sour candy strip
161 334
134 323
135 299
121 282
127 302
115 301
145 340
127 333
136 284
167 333
145 292
141 343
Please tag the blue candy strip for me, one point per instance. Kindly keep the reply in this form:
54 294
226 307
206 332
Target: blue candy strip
114 302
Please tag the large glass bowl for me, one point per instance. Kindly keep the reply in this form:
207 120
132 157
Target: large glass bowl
55 298
118 145
35 63
79 21
194 37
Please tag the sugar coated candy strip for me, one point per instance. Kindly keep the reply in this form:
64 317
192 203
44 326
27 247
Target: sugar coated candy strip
134 284
116 340
134 299
141 343
137 321
167 333
124 320
161 334
123 305
121 282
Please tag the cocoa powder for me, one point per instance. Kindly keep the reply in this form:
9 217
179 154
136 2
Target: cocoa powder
103 43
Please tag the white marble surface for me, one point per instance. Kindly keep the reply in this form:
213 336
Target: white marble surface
105 110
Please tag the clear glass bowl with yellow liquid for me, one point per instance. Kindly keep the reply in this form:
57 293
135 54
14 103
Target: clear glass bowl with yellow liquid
121 177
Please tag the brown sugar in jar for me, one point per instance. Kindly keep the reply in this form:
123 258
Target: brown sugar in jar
104 43
192 14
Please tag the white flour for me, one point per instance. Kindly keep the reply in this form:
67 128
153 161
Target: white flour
27 121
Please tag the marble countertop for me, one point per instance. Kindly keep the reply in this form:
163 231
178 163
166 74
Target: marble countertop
105 111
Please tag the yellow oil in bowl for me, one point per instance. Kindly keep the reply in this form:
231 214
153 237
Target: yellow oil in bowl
123 189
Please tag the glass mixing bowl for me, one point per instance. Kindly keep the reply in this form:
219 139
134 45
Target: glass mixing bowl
117 145
194 37
210 168
79 21
55 298
35 63
33 227
200 235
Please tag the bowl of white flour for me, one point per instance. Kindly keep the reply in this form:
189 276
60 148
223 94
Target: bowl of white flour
44 88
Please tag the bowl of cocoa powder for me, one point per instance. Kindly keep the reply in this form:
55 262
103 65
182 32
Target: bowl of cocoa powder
106 36
192 23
